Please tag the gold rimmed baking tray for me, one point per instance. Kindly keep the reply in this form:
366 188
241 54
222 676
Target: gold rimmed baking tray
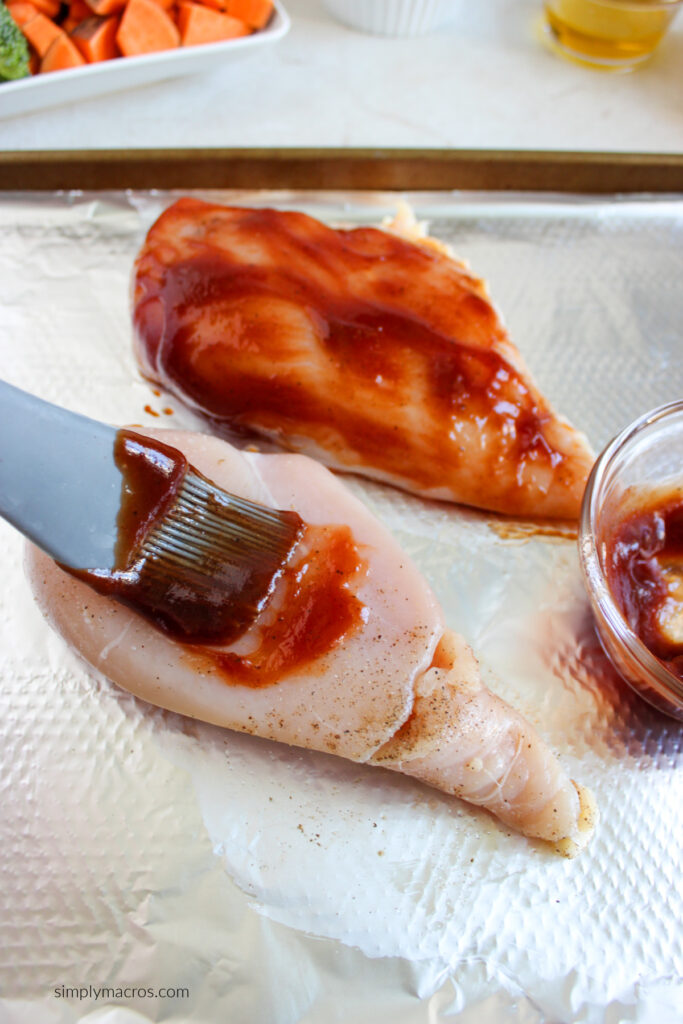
347 169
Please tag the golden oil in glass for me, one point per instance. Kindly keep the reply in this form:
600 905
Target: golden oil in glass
610 33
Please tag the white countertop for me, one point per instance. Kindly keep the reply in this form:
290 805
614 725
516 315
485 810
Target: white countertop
484 81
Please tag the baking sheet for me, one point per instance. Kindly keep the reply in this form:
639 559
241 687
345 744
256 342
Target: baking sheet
356 168
144 852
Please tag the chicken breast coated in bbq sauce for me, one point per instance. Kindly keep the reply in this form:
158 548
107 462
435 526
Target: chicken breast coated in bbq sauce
371 352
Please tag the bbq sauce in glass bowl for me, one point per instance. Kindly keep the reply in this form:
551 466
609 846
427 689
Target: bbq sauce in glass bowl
644 567
631 554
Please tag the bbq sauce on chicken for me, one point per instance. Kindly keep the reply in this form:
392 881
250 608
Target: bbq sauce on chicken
303 599
366 344
178 583
219 329
313 609
645 573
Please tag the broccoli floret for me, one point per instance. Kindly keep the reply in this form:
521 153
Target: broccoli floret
13 48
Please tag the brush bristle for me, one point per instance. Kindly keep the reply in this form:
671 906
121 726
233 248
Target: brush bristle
207 528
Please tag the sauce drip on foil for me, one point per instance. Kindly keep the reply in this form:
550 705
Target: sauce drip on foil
645 573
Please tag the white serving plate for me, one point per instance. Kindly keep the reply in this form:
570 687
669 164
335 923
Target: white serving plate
57 87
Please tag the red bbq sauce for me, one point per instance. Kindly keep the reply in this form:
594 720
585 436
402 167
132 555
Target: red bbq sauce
152 474
313 607
644 560
314 610
380 342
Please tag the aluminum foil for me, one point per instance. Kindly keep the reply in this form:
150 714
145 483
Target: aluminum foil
158 869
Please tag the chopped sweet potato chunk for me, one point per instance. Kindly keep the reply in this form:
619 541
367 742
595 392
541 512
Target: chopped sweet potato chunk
199 24
41 32
61 55
146 28
96 38
254 13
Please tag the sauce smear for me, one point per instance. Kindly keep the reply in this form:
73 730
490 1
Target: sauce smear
369 344
314 609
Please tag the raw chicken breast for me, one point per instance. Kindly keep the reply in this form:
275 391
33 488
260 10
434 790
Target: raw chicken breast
372 352
394 688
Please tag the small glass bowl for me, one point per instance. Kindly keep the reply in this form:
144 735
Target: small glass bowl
647 454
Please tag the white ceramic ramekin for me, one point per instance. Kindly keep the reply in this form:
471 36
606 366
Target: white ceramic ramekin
393 17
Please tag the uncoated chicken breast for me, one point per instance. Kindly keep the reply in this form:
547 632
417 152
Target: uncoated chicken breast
391 687
371 352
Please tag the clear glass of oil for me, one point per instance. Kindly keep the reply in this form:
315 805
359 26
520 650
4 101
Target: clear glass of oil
611 34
